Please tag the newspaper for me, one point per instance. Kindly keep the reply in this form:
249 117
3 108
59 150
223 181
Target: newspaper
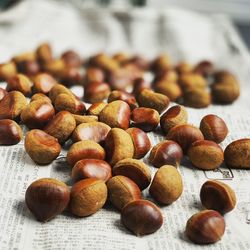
187 36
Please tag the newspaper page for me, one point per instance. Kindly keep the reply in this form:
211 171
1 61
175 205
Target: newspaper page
104 230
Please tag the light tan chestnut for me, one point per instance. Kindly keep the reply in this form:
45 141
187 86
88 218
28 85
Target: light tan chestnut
46 198
12 105
167 185
69 103
237 154
176 115
192 80
40 96
197 98
141 142
184 135
96 108
7 70
95 131
205 227
61 126
87 197
122 190
134 169
218 196
91 168
205 154
10 132
142 217
171 89
57 90
37 114
85 118
20 83
44 53
55 67
116 114
41 147
213 128
84 150
150 99
118 146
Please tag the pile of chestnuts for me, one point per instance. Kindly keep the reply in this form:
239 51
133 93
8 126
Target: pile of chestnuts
108 139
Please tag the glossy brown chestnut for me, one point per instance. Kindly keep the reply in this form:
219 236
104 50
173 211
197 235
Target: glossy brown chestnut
150 99
139 84
20 83
176 115
167 185
46 198
142 217
166 153
96 108
146 119
61 126
41 147
84 150
91 168
87 197
94 75
37 114
12 105
122 190
96 92
94 131
205 154
123 96
116 114
141 142
213 128
237 154
205 227
43 83
218 196
135 170
72 76
118 146
184 135
10 132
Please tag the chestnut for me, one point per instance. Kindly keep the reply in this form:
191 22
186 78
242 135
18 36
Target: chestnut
205 154
141 142
87 197
46 198
171 89
7 70
93 74
84 150
141 217
218 196
95 131
71 58
43 83
44 53
134 169
40 96
58 89
85 118
213 128
184 135
10 132
41 147
116 114
139 84
197 98
205 227
3 93
192 81
96 108
96 92
176 115
20 83
122 190
205 68
166 153
91 168
167 185
146 119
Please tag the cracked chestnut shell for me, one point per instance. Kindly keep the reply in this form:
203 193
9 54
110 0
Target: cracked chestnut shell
46 198
218 196
142 217
205 227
